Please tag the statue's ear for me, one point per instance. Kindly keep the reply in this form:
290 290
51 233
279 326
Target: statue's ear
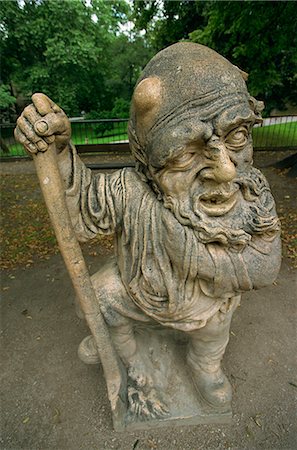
244 75
146 103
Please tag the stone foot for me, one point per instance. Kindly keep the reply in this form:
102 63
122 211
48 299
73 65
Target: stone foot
87 351
213 387
144 401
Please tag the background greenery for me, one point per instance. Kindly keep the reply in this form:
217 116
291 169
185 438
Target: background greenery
87 54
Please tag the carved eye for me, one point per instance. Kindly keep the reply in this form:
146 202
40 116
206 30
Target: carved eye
183 162
237 139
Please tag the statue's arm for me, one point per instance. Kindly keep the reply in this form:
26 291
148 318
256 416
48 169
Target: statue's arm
262 258
258 264
94 202
255 266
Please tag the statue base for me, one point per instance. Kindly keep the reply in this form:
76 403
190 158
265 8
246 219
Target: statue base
164 353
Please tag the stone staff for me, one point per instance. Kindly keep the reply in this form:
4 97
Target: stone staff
53 192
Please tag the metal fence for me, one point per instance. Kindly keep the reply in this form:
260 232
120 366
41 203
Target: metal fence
89 136
276 133
110 136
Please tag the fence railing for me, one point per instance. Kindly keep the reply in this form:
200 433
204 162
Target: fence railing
276 133
110 136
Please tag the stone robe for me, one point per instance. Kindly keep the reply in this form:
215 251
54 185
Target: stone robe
168 274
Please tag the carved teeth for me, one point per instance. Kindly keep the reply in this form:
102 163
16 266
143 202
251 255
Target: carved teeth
217 203
217 198
214 200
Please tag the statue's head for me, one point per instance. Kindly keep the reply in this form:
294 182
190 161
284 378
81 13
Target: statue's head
190 129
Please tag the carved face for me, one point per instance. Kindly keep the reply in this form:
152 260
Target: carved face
207 159
190 133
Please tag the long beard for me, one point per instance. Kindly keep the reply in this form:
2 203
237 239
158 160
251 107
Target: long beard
256 214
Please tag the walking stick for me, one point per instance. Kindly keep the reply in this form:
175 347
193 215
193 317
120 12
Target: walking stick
54 195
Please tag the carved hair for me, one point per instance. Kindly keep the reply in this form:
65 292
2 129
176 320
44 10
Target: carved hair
258 214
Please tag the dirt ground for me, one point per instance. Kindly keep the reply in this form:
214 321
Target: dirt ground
51 400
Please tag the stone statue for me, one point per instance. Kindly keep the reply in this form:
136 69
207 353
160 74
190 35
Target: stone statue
195 224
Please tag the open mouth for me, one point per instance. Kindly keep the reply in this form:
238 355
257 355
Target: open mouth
217 203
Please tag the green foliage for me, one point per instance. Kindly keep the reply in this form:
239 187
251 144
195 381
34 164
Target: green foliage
258 36
261 38
75 52
119 111
60 48
169 21
127 59
6 99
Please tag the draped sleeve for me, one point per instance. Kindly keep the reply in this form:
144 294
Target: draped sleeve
95 202
256 266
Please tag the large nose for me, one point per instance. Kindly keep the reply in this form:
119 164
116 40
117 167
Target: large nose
222 168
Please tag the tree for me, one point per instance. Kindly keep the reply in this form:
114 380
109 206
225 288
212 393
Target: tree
7 102
129 54
261 38
6 99
167 22
60 48
258 36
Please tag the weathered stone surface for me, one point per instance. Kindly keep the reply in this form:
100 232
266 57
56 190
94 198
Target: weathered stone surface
195 226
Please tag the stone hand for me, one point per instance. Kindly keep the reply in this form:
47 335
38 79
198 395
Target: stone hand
42 123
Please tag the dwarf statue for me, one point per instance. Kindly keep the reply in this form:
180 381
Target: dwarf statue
195 223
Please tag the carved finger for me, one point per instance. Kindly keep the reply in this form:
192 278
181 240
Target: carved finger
132 408
49 139
44 105
51 124
31 114
160 410
166 410
132 400
141 413
145 411
159 407
22 139
137 410
155 409
27 129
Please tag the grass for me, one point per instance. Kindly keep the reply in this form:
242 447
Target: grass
272 136
278 135
98 133
82 133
